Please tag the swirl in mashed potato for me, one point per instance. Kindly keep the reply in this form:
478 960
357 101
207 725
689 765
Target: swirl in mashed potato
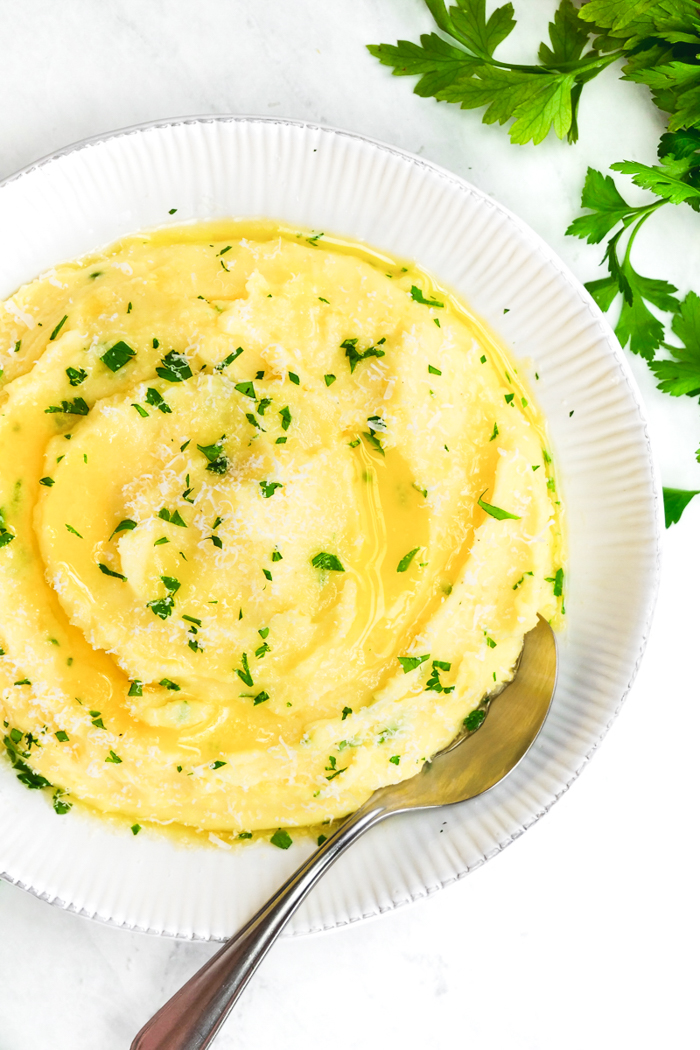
276 515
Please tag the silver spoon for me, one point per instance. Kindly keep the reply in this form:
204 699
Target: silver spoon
470 766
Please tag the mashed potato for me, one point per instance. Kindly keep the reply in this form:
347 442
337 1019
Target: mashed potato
276 515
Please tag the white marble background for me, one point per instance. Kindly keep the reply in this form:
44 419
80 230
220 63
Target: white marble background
584 933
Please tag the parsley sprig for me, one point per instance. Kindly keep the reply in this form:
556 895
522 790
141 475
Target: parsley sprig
658 44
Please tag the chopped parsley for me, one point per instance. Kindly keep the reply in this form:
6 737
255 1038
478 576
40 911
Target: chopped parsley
407 559
474 719
112 757
174 367
261 650
333 769
247 389
281 839
281 441
74 531
163 607
354 443
276 556
156 344
395 759
269 487
228 360
253 421
58 328
373 440
218 462
118 355
245 675
141 410
509 399
434 371
153 397
286 417
558 581
62 736
172 516
496 512
418 297
25 774
135 828
218 764
346 711
260 698
263 631
76 407
354 356
327 562
409 663
163 539
293 378
489 640
59 806
97 720
521 580
329 379
434 685
494 434
47 481
321 839
135 688
168 683
110 572
217 541
246 835
267 574
76 376
263 403
417 487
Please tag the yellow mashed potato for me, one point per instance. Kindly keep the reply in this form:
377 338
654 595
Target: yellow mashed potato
276 515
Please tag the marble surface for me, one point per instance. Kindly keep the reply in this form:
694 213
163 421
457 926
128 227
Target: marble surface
571 938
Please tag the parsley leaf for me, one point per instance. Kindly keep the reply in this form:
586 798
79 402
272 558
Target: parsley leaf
354 356
228 360
153 397
174 367
407 559
682 374
76 407
409 663
110 572
675 502
496 512
113 757
118 355
127 524
76 376
218 462
418 297
245 675
247 389
474 719
268 488
327 562
58 328
281 839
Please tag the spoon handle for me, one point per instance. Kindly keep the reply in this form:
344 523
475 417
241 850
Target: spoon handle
191 1019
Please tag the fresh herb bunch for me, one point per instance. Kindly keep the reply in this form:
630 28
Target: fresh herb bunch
658 42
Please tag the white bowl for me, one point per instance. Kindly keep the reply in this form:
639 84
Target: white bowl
94 192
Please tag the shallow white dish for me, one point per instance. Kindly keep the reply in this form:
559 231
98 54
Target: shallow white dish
92 193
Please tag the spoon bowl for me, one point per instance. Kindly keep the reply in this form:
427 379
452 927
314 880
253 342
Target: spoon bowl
471 765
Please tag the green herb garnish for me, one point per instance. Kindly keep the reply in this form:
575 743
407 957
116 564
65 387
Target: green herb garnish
245 675
110 572
407 559
281 839
269 487
174 367
327 562
135 688
474 719
354 356
155 398
418 297
58 328
409 663
294 378
329 379
228 360
76 376
496 512
113 757
118 355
